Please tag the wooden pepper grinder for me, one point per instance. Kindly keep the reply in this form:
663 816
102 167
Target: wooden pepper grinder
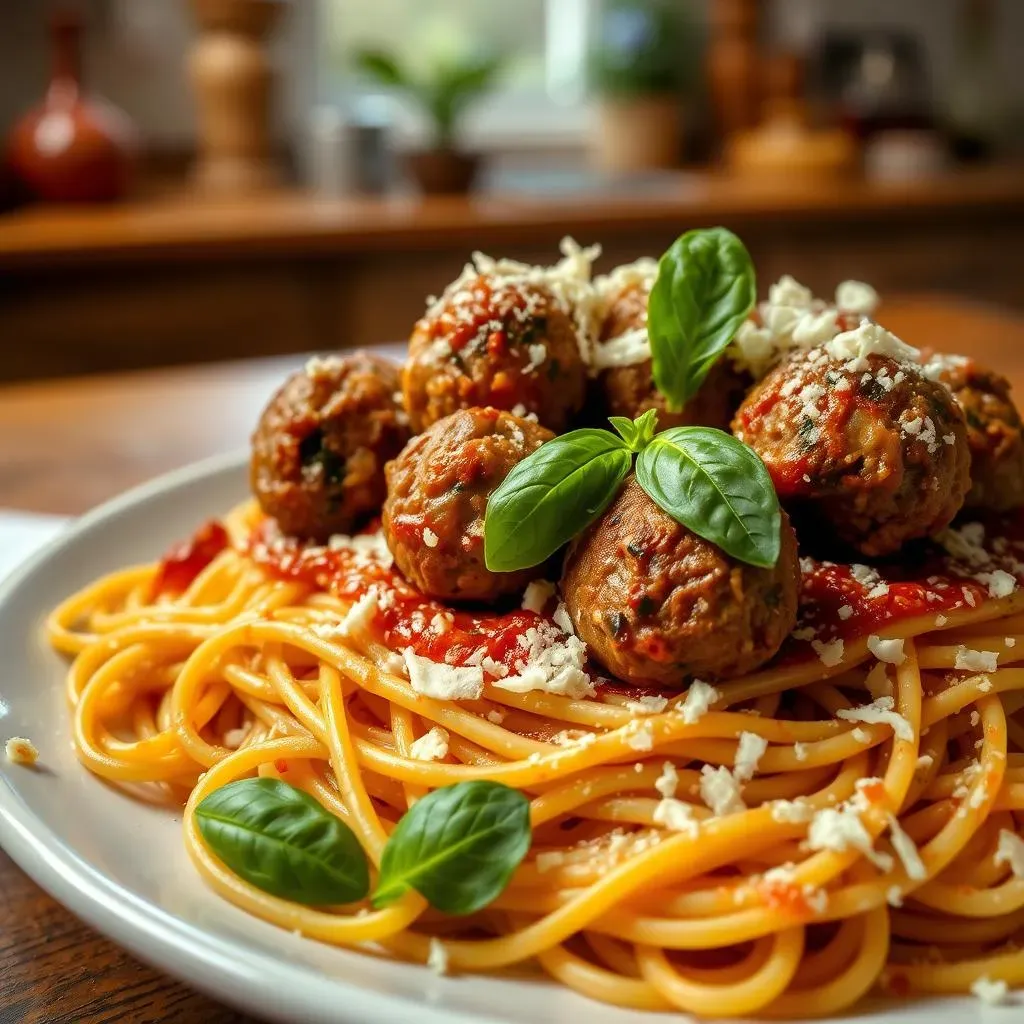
233 77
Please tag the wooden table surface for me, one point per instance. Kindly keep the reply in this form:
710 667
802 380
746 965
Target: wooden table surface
66 445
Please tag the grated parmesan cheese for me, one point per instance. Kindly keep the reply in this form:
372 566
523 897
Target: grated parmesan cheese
651 705
1011 851
699 699
994 993
840 829
830 653
429 537
1000 583
437 959
359 618
431 746
975 661
562 619
791 812
749 751
639 735
443 682
676 816
537 595
869 339
856 297
720 790
879 712
668 781
906 851
551 662
889 651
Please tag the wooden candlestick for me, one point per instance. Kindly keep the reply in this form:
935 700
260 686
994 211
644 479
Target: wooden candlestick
233 77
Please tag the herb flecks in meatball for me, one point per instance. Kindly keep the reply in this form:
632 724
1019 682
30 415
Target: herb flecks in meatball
867 443
656 604
995 433
506 337
319 450
625 380
437 496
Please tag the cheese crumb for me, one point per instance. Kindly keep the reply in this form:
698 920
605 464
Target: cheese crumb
359 617
21 751
856 297
867 340
668 780
562 619
800 751
975 661
651 705
443 682
1011 851
639 735
699 699
431 746
1000 583
840 829
437 960
995 993
748 753
830 653
791 812
879 712
676 815
720 790
894 896
889 651
537 595
548 859
906 851
496 717
429 537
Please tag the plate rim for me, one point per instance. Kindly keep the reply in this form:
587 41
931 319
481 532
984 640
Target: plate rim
154 935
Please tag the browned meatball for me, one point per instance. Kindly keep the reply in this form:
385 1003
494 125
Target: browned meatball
630 390
994 431
870 444
657 604
437 495
506 343
319 450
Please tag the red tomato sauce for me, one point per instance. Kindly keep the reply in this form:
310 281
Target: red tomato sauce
187 559
838 601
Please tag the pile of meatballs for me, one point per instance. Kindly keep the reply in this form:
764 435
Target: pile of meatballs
867 455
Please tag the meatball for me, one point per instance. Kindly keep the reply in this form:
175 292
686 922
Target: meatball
657 604
319 450
508 343
629 390
995 434
437 495
870 445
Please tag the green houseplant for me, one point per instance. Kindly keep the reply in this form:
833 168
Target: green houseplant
642 67
443 95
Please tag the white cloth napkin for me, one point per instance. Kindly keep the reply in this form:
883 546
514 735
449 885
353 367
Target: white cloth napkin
22 533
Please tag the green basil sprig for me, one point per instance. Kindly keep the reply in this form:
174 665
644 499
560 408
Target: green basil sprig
281 840
547 498
458 847
705 479
717 487
704 290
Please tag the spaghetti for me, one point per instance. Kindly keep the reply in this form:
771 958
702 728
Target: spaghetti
846 819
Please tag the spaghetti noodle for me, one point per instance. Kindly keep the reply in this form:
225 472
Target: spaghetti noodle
845 819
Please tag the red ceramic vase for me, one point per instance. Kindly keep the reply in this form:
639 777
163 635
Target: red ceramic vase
72 148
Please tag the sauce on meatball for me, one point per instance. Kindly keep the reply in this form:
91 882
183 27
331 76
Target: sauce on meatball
494 340
438 488
656 604
319 450
870 444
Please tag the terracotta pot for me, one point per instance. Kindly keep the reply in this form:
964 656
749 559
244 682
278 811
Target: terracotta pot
440 171
639 133
72 147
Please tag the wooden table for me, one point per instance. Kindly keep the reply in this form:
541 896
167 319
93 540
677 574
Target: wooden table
67 445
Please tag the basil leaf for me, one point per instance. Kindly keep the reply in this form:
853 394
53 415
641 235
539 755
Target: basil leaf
717 487
552 495
458 847
636 433
704 290
282 841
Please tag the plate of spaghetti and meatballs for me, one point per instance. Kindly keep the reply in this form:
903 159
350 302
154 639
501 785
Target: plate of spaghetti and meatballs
647 641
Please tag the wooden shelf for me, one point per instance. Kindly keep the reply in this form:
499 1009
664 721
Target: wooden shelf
188 227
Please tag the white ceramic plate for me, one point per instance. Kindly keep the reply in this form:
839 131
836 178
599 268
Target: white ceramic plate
121 865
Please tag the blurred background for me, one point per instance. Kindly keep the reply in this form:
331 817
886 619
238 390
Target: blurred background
190 180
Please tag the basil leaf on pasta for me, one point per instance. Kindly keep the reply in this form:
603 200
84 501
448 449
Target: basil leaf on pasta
636 433
716 486
552 495
282 841
704 290
458 847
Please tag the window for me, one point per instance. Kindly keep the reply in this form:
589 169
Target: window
541 95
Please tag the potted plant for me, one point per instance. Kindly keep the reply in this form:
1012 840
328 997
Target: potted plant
642 67
443 94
